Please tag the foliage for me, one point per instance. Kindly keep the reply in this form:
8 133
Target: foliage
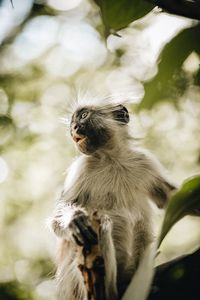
119 14
15 291
185 201
171 81
177 279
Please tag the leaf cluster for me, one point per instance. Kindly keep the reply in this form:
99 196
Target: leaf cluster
171 80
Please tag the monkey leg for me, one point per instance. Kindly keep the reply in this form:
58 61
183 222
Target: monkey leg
107 251
69 278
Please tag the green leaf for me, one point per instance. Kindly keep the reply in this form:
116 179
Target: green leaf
170 81
185 202
119 14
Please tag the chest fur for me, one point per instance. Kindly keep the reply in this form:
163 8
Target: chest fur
107 185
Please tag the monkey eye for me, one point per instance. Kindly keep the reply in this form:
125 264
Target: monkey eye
84 115
121 115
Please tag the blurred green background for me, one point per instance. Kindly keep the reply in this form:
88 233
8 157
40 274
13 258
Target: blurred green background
51 48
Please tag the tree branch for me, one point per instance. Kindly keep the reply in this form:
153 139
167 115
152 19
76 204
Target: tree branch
184 8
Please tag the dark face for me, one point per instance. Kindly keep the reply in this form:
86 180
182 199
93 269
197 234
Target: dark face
89 126
88 131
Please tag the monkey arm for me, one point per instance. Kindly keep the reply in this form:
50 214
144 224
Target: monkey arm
160 191
155 181
160 187
71 221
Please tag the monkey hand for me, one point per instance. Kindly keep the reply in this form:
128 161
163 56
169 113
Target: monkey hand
73 223
82 230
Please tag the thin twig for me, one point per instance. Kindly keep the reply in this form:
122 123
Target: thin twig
11 1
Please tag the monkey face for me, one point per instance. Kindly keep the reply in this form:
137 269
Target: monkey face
88 130
92 127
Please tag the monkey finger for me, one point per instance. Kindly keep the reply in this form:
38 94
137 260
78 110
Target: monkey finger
82 218
88 234
76 234
80 213
77 240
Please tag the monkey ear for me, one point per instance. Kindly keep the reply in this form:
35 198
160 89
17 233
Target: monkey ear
121 114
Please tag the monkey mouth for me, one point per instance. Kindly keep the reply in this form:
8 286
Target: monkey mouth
78 139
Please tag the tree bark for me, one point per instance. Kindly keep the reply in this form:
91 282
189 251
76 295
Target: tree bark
93 270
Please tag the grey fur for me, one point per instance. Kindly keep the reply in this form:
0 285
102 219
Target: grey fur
116 180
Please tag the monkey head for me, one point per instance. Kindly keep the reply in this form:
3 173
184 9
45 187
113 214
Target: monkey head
93 127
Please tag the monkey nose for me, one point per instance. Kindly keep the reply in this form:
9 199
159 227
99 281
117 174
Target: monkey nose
74 127
78 128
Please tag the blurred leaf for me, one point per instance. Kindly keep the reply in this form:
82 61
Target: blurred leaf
186 201
25 85
170 81
119 14
44 266
177 278
197 78
5 121
14 291
16 208
6 129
